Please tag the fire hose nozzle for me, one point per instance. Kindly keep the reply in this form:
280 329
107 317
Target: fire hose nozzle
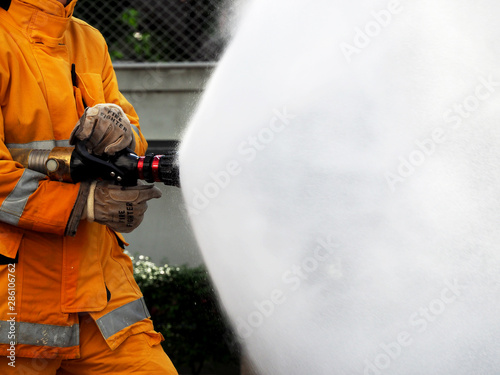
75 164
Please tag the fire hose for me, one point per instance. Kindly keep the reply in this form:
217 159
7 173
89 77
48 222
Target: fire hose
76 164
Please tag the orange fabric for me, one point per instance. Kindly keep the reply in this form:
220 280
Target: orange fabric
140 354
56 276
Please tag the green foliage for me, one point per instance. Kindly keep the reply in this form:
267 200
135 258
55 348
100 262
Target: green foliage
138 44
131 17
184 308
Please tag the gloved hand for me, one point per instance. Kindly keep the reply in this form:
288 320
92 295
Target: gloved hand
106 129
120 208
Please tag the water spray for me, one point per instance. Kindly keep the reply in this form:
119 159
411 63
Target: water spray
76 164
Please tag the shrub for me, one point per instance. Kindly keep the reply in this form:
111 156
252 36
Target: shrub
184 308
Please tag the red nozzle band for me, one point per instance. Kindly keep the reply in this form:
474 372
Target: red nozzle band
155 168
140 168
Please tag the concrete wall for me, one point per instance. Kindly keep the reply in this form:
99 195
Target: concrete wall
164 95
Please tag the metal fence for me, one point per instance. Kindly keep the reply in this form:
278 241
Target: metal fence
158 30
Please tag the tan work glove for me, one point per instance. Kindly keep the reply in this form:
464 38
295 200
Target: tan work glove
120 208
106 129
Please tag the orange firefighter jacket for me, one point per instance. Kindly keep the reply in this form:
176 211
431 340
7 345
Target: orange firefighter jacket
50 65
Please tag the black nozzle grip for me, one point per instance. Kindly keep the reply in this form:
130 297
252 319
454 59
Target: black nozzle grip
121 167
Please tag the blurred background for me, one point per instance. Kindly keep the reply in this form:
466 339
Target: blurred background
159 30
163 52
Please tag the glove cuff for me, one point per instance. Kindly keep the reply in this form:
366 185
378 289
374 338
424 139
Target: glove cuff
90 202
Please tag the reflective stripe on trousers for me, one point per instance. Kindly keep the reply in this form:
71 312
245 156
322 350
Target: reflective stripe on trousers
122 317
66 336
39 334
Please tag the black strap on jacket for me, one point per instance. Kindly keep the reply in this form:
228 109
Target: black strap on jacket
74 79
5 4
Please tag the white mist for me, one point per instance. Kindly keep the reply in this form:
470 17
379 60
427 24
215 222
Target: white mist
342 178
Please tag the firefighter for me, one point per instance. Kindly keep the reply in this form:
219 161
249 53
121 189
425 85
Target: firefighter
68 300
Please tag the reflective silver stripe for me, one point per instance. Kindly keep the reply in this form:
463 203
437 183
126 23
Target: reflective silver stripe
40 145
13 206
39 334
122 317
135 128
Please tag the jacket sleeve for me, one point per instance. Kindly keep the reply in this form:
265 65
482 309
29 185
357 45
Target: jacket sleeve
28 199
113 95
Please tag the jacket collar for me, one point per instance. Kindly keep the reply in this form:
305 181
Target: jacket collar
42 20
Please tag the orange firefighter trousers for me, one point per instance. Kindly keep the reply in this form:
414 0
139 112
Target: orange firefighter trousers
138 354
